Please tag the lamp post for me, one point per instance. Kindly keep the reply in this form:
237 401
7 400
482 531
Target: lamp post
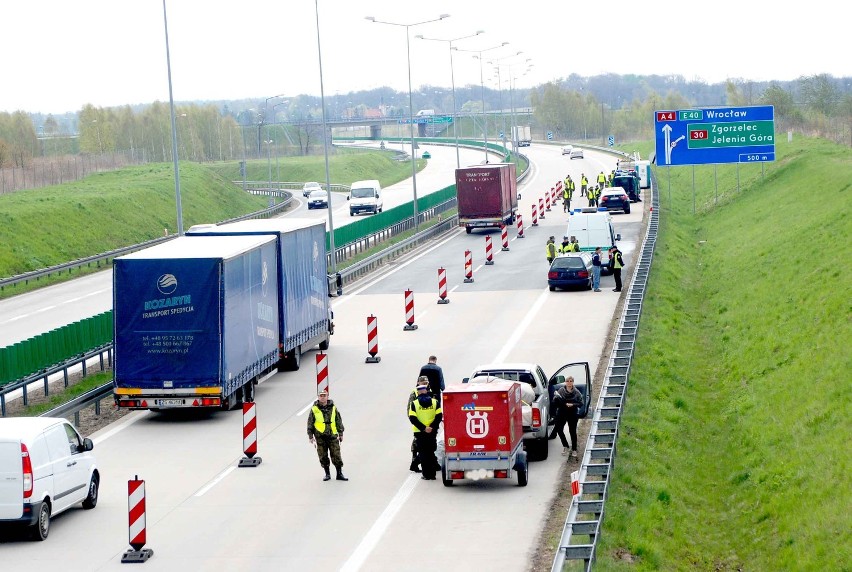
268 143
263 118
410 104
277 151
453 82
174 138
325 137
482 88
496 63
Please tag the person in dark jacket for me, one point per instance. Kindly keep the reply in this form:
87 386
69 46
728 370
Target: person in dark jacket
568 400
433 372
425 416
414 467
596 270
325 432
616 262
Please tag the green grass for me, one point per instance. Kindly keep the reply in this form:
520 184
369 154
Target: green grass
733 450
54 400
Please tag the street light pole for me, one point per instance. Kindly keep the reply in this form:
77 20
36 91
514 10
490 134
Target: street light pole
410 103
453 81
277 150
326 134
174 137
482 88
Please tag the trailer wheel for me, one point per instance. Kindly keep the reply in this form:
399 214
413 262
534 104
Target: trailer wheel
468 229
291 361
522 468
248 392
444 479
323 345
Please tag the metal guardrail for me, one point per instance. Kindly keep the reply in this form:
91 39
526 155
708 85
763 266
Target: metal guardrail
586 512
94 396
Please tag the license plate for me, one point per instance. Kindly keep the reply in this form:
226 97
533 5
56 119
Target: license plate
169 402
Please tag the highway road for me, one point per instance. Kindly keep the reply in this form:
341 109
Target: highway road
30 314
205 514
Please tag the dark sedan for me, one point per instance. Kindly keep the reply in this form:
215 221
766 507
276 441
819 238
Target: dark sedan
569 270
615 199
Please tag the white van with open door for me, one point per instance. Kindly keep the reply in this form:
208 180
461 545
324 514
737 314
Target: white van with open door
46 467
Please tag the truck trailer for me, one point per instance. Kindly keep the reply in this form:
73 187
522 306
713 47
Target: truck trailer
521 135
487 195
304 309
196 322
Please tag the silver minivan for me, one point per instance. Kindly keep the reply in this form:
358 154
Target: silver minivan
46 467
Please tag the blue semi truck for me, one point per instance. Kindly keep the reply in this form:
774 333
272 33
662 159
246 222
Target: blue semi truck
196 322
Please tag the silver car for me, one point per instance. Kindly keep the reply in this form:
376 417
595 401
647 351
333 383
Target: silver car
309 188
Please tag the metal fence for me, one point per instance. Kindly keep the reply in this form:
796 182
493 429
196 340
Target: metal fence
585 515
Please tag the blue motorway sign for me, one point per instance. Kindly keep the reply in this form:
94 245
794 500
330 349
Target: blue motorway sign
715 135
427 119
550 135
611 140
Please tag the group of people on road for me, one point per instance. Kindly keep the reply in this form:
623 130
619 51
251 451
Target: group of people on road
570 244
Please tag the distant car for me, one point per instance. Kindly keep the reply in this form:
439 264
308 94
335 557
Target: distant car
576 153
566 150
426 155
567 270
318 200
615 199
309 188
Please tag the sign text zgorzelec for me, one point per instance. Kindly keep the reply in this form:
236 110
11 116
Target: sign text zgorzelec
717 135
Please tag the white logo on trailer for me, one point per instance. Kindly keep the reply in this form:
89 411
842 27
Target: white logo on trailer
477 424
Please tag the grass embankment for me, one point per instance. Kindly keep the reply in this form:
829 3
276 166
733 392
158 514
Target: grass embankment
51 225
734 443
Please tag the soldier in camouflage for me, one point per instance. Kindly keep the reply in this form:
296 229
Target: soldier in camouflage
325 432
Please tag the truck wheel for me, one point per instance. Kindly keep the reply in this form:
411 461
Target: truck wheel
323 345
292 360
91 500
523 473
447 481
468 229
41 528
248 392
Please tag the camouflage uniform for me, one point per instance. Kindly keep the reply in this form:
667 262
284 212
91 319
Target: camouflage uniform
327 442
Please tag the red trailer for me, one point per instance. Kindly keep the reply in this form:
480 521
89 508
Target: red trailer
483 432
487 195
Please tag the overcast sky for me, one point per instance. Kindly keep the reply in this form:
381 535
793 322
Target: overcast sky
60 54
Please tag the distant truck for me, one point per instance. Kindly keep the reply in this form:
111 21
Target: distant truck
487 195
196 322
629 181
304 309
521 134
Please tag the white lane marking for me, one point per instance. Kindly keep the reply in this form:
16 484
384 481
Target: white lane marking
305 409
371 539
522 327
215 481
395 270
454 288
133 418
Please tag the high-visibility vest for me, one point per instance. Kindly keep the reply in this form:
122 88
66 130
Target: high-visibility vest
584 181
550 247
616 260
426 415
566 192
601 178
319 420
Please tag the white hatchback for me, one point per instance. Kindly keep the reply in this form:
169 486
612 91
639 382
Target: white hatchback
46 467
308 188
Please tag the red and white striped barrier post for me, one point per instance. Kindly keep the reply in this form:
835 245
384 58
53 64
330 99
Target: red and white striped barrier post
250 436
547 201
137 529
541 208
409 311
373 340
534 215
558 186
468 266
442 286
489 255
322 372
553 195
575 483
520 226
504 236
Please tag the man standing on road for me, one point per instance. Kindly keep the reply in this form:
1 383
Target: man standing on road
584 184
550 248
325 432
596 269
433 372
425 416
617 263
568 400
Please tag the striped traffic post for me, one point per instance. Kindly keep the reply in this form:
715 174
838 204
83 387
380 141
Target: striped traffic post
373 340
504 236
322 372
541 208
575 483
520 226
250 436
547 201
442 287
553 196
409 311
468 266
534 215
137 528
489 256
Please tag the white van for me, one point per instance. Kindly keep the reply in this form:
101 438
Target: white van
593 228
365 196
45 468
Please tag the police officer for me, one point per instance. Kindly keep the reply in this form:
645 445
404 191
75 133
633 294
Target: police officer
601 180
550 248
567 193
325 432
566 246
425 416
584 184
593 196
617 263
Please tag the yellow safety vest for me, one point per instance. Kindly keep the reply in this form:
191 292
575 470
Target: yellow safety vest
601 178
616 261
319 420
423 414
551 249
